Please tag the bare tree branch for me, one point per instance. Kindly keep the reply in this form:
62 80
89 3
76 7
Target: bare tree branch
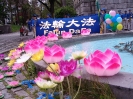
59 3
44 5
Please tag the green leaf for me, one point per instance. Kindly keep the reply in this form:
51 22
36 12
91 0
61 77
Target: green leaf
8 87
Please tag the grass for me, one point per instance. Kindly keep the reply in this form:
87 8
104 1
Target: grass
15 28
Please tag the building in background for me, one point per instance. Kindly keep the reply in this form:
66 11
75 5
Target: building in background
85 7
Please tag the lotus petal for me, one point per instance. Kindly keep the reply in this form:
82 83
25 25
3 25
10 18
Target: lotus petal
23 58
53 54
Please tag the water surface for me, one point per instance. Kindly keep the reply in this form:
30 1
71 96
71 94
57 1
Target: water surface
91 46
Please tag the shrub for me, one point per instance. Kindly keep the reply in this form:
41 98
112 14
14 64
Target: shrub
61 12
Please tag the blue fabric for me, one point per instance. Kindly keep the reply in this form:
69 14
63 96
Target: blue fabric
129 15
29 22
33 22
50 96
28 83
43 95
103 16
67 97
125 16
121 15
56 93
17 71
73 25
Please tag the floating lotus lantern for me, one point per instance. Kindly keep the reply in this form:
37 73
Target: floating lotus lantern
85 32
35 45
52 37
9 73
13 84
54 54
106 63
66 35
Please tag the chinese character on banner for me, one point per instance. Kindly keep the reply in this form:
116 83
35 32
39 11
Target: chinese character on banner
73 22
44 25
88 22
58 24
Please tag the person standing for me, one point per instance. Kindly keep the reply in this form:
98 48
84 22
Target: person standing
120 13
125 20
102 19
130 21
29 24
33 25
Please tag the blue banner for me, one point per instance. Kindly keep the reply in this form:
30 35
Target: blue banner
73 25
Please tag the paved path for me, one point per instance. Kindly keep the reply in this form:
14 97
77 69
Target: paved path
11 40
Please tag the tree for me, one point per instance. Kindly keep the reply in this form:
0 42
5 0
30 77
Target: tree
10 9
17 11
24 10
50 5
61 12
3 9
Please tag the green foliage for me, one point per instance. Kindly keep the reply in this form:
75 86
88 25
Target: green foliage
92 89
31 69
25 6
61 12
101 91
44 13
21 19
15 28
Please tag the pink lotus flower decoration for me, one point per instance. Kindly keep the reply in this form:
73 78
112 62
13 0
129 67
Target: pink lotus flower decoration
42 39
6 68
56 79
66 35
77 72
13 83
1 76
16 54
103 64
17 66
85 32
33 46
67 67
54 54
52 37
43 74
9 73
1 68
2 56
